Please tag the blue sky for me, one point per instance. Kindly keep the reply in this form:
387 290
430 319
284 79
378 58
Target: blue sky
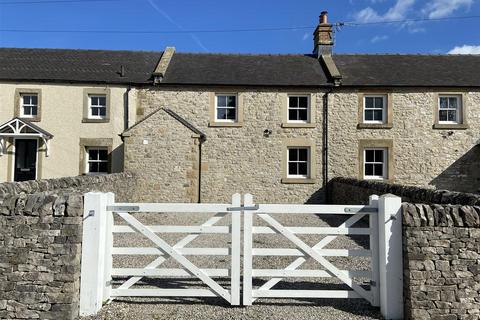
187 15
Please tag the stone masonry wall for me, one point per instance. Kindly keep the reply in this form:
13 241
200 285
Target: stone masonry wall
40 243
235 159
423 156
441 246
354 191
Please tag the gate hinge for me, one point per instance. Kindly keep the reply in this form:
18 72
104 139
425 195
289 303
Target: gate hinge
243 208
373 283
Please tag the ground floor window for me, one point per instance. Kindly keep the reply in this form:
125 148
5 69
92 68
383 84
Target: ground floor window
375 163
298 162
97 160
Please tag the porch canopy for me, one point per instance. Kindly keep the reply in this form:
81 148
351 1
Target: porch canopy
22 129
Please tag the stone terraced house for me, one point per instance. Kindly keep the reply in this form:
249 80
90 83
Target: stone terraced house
200 127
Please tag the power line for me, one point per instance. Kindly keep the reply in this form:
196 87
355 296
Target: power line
52 1
339 24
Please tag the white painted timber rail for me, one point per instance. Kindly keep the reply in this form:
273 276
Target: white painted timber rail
381 284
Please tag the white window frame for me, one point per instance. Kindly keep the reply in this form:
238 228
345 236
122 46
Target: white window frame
87 161
298 108
90 106
458 109
23 105
308 162
384 164
384 108
236 107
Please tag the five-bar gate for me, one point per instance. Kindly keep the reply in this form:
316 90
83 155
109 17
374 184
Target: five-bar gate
384 278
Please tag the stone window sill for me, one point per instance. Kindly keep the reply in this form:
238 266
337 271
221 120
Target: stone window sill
375 126
298 125
448 126
225 124
35 119
298 181
86 120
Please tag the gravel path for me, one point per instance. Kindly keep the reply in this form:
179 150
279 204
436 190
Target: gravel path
216 308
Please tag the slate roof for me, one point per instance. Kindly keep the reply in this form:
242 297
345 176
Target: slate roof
409 70
62 65
245 69
101 66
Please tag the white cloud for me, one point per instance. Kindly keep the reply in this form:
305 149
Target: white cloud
397 12
465 49
378 39
442 8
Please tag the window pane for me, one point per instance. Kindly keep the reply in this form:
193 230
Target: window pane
292 168
34 100
368 102
231 100
33 111
443 115
369 115
221 114
378 169
95 111
303 102
369 156
452 102
378 115
292 115
443 103
452 115
26 110
368 169
302 169
93 167
94 101
303 154
102 111
303 114
221 101
231 114
93 154
378 102
293 102
293 154
102 101
102 167
378 155
103 154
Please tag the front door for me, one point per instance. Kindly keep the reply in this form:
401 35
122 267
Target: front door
25 159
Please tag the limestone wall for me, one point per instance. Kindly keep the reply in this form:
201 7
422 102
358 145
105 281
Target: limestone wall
441 248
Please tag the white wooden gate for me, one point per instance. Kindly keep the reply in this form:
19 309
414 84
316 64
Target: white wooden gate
385 280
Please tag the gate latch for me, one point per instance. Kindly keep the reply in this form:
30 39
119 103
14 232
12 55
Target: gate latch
243 208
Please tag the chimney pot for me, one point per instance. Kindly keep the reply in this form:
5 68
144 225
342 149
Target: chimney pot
324 17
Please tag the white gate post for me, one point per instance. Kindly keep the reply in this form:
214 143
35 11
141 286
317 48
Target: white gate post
373 224
92 278
390 256
108 248
235 259
247 250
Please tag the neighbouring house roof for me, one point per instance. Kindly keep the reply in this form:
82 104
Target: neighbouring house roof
409 70
102 66
63 65
245 69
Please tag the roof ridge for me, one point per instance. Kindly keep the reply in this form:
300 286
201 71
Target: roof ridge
81 50
246 54
405 54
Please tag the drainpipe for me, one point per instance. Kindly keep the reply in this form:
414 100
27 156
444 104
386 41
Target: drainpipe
202 139
126 108
325 143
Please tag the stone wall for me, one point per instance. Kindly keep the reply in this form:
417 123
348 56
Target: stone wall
353 191
422 155
234 159
441 246
40 243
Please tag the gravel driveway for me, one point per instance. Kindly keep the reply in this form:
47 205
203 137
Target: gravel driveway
216 308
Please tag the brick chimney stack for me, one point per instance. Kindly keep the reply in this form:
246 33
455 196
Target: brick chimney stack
323 36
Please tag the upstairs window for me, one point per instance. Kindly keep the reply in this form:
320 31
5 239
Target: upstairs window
97 106
97 160
375 107
375 163
28 105
298 162
449 109
298 109
226 108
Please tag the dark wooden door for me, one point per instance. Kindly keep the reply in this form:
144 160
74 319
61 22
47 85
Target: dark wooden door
25 159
